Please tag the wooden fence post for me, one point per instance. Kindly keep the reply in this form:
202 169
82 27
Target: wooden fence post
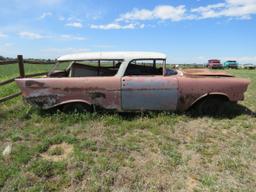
21 66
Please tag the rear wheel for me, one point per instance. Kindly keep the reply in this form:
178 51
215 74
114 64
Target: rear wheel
76 108
212 106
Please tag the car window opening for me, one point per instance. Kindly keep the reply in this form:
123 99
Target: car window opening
91 68
97 68
148 67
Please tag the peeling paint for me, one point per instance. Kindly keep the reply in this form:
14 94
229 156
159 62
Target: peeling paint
97 95
175 92
34 84
43 101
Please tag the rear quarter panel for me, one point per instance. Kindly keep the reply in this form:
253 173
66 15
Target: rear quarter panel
193 88
100 91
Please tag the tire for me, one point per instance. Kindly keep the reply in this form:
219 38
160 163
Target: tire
212 106
76 108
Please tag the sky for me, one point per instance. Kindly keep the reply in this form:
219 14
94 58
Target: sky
187 31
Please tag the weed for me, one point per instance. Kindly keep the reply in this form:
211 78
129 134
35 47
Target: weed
126 152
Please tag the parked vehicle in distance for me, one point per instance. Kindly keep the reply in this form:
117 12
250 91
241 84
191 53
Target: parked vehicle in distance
231 64
249 66
130 81
214 64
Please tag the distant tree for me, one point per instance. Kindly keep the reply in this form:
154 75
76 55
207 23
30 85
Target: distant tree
2 58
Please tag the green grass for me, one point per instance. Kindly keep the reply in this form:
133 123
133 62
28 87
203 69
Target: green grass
112 152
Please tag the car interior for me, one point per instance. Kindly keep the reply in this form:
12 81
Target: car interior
83 70
88 69
110 68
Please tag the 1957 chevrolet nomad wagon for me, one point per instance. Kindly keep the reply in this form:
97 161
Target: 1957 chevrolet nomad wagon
130 81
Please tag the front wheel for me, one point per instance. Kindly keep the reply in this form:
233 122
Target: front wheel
76 108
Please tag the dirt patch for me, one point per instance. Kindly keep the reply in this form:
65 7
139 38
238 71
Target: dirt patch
191 184
58 152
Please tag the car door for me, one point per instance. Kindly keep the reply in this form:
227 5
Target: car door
149 93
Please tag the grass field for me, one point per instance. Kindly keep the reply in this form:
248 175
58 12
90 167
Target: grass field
113 152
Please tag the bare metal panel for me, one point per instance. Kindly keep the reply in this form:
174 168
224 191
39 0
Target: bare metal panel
149 93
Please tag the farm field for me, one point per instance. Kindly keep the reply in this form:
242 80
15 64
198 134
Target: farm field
135 152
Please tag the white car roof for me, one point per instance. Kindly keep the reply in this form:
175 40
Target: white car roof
111 56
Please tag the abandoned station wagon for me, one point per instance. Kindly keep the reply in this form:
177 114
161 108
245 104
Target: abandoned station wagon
129 81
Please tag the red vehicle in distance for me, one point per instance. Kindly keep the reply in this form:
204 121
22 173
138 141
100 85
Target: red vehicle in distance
214 64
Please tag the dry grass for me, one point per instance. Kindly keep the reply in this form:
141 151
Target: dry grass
112 152
58 152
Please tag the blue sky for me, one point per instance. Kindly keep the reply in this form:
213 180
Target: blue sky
187 31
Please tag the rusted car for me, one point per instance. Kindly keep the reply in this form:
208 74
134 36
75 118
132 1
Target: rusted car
214 64
130 81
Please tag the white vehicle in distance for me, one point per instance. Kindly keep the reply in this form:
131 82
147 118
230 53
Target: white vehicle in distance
249 66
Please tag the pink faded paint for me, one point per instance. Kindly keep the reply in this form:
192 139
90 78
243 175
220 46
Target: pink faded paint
133 93
103 91
192 89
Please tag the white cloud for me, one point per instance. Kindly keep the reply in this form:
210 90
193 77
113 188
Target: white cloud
162 12
72 37
136 14
117 26
104 46
7 48
37 36
2 35
8 44
242 9
61 18
240 2
44 15
238 9
31 35
75 24
169 12
56 52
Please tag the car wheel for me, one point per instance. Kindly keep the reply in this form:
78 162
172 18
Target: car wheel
211 106
76 108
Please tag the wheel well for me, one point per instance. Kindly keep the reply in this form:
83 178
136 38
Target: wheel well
75 102
209 96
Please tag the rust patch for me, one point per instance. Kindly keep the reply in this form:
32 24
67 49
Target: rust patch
205 72
71 89
44 101
34 84
185 101
191 89
97 95
106 91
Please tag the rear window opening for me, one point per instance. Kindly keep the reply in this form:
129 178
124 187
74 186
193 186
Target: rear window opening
92 68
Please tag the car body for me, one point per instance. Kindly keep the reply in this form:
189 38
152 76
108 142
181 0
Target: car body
231 64
249 66
214 64
128 81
